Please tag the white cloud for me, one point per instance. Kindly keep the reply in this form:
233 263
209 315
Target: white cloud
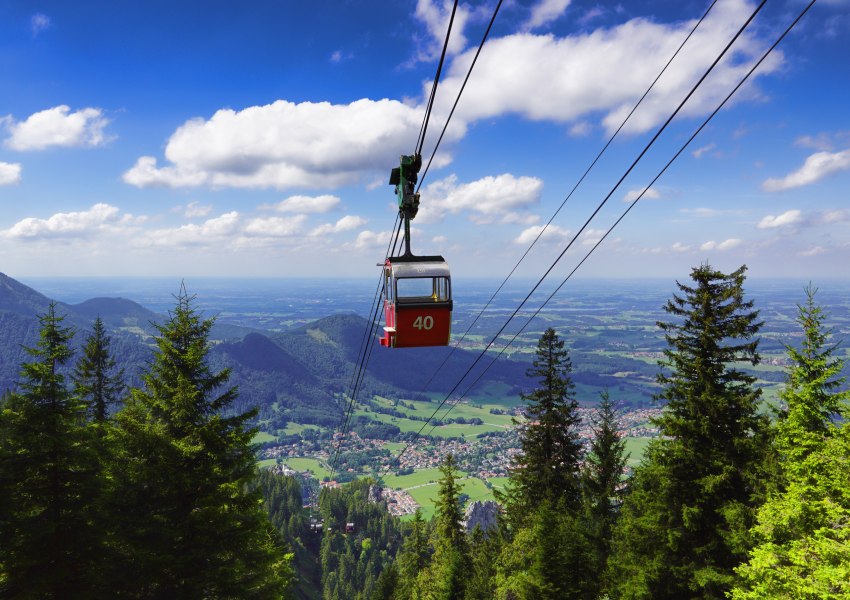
580 129
282 145
307 204
435 17
196 209
591 236
698 153
576 71
821 141
789 217
648 194
38 23
58 126
539 77
274 227
99 218
816 167
710 245
553 233
10 173
813 251
369 240
346 223
828 217
439 239
544 12
729 244
210 231
485 200
681 248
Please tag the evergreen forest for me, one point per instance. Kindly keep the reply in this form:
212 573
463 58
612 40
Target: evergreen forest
148 487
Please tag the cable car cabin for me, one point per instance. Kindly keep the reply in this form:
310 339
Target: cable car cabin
349 528
417 302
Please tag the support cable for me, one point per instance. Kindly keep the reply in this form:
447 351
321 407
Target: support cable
634 202
460 92
569 195
367 335
587 222
423 130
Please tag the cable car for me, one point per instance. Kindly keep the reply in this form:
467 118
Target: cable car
417 302
417 289
349 528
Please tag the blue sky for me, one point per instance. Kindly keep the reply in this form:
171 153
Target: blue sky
196 139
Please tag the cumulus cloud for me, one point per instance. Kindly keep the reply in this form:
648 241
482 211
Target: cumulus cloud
196 209
210 231
572 75
553 233
725 245
545 12
789 217
99 218
346 223
368 240
58 126
274 226
485 200
282 145
681 248
644 194
307 204
435 16
10 173
816 167
563 79
592 236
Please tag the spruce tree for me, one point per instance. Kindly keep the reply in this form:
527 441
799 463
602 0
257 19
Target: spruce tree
548 467
188 526
603 486
446 577
96 380
803 535
684 528
414 556
51 542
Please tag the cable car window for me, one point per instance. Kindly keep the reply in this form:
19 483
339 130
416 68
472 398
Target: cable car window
423 289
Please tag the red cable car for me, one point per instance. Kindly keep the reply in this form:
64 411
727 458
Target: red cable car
417 289
417 302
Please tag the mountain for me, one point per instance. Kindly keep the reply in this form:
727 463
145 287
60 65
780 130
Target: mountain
115 312
17 298
299 375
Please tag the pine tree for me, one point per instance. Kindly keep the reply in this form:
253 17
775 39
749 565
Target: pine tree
684 528
48 479
96 381
803 531
188 526
603 486
548 467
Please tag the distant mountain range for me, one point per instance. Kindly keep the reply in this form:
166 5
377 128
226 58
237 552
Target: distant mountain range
298 375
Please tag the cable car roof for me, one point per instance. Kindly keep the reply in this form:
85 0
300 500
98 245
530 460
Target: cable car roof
418 266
